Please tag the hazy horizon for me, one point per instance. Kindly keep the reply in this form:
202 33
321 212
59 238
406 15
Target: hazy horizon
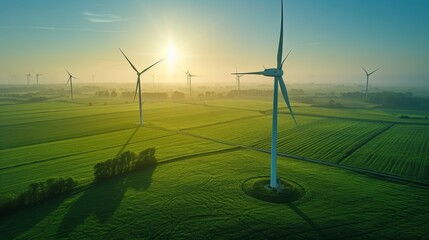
331 40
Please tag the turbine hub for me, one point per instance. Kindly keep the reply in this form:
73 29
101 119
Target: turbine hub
273 72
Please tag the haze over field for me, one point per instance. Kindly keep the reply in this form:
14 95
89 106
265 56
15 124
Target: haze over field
330 40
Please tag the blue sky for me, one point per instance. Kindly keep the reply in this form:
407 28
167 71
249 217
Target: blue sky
330 39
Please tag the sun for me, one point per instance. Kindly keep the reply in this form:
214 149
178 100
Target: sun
171 53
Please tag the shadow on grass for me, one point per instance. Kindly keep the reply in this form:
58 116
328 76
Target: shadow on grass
307 219
14 225
128 141
103 199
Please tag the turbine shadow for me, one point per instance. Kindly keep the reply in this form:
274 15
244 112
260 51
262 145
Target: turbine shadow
102 200
128 141
307 219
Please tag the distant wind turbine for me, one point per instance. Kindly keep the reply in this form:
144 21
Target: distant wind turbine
237 78
190 76
70 80
367 79
138 84
37 78
187 78
28 78
277 73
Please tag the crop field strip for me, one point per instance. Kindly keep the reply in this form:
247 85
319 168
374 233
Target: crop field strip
402 150
15 136
417 182
344 114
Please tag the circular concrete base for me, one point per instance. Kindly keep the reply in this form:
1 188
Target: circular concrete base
259 188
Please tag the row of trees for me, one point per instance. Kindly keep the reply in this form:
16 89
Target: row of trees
125 162
106 93
37 192
391 99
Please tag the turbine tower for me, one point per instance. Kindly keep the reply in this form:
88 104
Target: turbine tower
28 78
189 77
237 78
138 84
37 78
71 77
367 80
277 74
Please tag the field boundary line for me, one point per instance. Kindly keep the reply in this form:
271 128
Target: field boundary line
65 118
374 135
77 154
268 112
223 122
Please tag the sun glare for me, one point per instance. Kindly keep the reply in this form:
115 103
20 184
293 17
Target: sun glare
171 53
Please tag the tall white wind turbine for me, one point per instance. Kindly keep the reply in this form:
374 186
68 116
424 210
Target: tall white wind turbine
237 79
277 74
37 78
28 75
138 86
70 80
367 80
189 77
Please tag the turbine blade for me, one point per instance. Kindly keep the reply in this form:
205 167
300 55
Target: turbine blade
68 81
280 51
151 66
255 73
137 85
365 70
135 69
374 71
286 57
67 71
286 98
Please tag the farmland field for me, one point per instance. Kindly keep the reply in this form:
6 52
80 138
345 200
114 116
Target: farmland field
201 198
205 151
402 150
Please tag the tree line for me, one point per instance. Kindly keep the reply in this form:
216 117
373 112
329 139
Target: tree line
37 192
124 163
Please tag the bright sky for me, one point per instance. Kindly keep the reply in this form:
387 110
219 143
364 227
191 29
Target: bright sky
331 40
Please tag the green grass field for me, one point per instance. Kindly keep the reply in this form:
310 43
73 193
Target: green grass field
206 150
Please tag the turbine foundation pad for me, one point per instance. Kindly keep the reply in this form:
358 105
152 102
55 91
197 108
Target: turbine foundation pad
259 188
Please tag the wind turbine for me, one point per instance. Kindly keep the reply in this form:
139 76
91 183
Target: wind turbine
187 78
367 80
28 78
37 78
277 74
71 84
189 75
138 84
237 78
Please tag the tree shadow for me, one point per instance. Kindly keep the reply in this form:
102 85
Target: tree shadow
103 199
308 220
142 180
13 226
128 141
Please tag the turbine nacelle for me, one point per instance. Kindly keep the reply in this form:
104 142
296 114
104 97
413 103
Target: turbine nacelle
273 72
